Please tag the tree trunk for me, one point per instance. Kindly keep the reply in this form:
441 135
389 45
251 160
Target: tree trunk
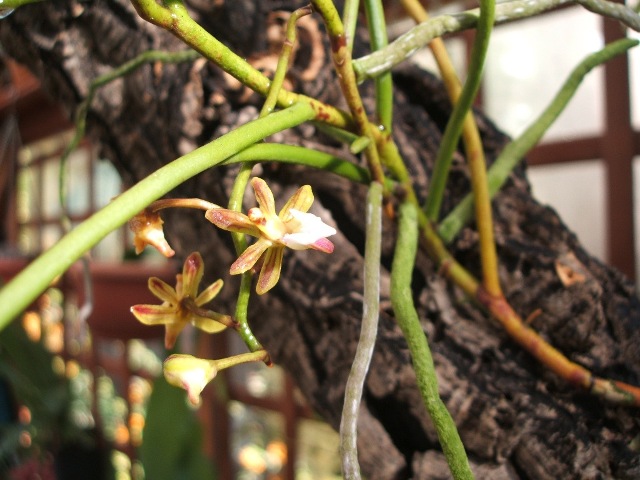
517 420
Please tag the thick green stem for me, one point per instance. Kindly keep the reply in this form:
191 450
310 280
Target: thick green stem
368 334
516 150
27 285
407 318
454 126
13 4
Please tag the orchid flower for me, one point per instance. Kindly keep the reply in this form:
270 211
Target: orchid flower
182 304
147 228
293 227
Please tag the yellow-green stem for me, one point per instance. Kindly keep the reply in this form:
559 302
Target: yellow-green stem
342 61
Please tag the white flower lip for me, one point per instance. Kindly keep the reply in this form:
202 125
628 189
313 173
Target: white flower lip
311 229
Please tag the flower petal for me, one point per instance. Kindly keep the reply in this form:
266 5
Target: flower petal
163 290
249 257
207 325
232 221
209 293
323 244
270 272
192 272
154 314
264 196
301 201
307 229
171 332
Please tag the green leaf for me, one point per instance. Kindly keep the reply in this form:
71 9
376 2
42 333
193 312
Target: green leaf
172 445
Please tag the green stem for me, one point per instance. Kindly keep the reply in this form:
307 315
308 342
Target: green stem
283 60
173 16
255 356
407 318
29 283
368 333
241 313
350 20
453 130
403 47
302 156
341 56
517 149
383 83
235 202
13 4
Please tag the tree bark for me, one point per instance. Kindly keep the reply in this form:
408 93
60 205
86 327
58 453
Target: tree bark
517 420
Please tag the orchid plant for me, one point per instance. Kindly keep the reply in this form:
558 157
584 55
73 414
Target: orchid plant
296 228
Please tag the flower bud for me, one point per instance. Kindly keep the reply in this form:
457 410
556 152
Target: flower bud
190 373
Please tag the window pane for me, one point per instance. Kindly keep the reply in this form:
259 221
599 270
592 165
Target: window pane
50 235
107 183
27 196
77 172
634 72
318 452
28 240
257 442
111 247
50 192
526 65
577 192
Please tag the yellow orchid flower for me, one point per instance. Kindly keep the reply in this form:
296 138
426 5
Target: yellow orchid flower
293 227
182 304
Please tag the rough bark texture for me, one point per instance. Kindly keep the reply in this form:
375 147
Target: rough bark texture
516 419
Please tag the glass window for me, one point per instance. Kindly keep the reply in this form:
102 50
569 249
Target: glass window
257 443
78 186
527 63
318 452
577 192
634 78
